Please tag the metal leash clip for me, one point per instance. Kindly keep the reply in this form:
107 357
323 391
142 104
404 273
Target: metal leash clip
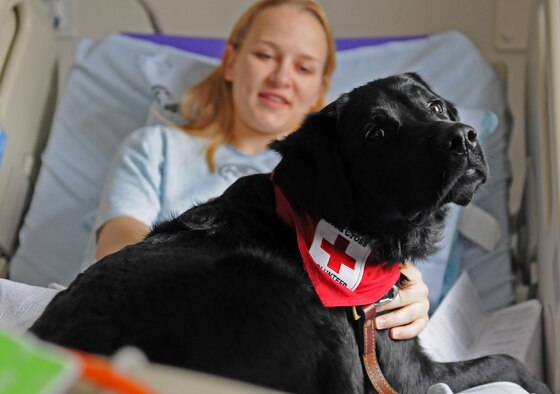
390 296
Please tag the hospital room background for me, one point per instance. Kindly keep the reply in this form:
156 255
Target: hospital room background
76 76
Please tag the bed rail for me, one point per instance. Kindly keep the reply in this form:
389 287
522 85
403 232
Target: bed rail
542 200
27 100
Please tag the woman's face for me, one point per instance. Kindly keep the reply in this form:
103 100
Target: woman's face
276 75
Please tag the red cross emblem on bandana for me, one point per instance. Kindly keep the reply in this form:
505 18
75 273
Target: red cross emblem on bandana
338 262
339 254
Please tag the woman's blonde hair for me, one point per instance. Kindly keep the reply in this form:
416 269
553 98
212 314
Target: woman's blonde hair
208 106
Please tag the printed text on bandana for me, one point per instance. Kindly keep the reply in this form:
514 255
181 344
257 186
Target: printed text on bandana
339 254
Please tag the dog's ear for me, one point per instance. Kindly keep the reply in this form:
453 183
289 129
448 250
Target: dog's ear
312 172
335 108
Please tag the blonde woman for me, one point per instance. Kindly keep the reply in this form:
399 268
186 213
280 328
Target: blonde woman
275 68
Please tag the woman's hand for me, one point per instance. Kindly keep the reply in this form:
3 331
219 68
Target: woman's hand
409 310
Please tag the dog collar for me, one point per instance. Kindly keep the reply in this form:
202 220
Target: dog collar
338 262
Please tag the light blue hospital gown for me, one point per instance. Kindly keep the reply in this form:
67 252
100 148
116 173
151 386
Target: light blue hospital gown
159 172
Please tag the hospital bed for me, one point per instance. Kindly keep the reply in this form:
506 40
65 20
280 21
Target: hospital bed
475 53
28 76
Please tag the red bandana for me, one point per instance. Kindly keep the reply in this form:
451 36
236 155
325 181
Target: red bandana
337 260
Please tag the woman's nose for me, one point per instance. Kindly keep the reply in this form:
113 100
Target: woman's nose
281 76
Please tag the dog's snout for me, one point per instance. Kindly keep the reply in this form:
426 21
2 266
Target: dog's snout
459 139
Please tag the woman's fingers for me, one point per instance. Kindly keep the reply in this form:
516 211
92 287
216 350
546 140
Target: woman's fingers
407 314
406 322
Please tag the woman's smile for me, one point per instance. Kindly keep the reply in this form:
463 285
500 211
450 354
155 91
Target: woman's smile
273 100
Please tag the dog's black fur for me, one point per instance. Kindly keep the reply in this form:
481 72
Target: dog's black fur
222 288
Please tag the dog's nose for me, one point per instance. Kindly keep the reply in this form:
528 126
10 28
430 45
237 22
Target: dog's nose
459 139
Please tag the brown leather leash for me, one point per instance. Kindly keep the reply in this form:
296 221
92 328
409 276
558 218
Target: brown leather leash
369 356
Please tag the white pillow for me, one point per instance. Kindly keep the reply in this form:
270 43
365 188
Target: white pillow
169 75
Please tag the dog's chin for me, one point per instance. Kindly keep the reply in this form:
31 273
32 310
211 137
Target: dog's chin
463 188
459 190
418 218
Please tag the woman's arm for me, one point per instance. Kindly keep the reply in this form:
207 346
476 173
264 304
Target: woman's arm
117 233
131 191
409 310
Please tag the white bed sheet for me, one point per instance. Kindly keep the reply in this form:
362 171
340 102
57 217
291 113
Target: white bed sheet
107 97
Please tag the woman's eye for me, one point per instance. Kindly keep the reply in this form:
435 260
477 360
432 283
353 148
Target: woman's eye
263 55
306 69
436 107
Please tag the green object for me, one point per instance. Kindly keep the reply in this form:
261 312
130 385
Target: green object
29 366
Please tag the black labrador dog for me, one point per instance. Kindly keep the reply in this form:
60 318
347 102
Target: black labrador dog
223 289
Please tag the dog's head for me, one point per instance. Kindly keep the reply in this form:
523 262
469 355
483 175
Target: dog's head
383 160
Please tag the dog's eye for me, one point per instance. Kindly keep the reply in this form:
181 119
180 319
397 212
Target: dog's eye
436 107
375 135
